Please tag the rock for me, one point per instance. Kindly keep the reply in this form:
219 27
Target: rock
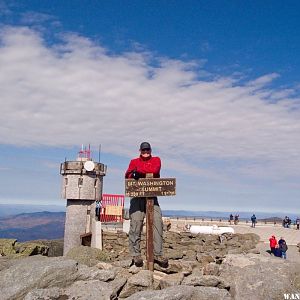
188 266
171 293
257 277
92 289
204 259
189 254
206 280
134 269
211 269
126 263
175 266
138 282
183 293
7 247
55 246
116 285
84 290
5 262
91 273
171 280
45 294
31 248
36 272
104 266
211 293
87 255
174 254
157 277
254 251
13 249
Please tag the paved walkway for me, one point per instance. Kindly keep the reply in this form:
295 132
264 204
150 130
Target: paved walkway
264 231
292 236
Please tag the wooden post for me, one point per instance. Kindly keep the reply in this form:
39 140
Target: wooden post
149 230
149 188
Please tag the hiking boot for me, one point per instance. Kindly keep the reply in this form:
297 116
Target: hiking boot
138 261
161 261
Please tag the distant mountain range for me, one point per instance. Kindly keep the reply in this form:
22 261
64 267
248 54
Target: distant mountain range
15 209
33 226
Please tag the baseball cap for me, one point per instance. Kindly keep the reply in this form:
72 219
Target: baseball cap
145 145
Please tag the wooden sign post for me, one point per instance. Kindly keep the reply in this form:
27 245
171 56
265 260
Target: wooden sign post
150 187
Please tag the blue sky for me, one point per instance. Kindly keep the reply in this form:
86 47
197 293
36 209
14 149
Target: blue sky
212 85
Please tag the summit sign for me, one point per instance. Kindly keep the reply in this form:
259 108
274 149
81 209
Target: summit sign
150 187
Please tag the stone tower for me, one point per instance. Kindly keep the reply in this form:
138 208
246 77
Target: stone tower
81 185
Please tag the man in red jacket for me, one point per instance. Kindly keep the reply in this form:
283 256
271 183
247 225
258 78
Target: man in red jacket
138 168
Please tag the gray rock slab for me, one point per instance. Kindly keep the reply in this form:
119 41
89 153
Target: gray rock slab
79 290
171 280
257 277
137 282
36 272
206 280
183 293
91 273
171 293
90 290
45 294
211 293
116 285
123 263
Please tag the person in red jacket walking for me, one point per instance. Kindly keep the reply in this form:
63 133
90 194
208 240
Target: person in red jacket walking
138 168
273 243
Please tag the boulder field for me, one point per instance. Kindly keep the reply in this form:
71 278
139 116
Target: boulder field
200 267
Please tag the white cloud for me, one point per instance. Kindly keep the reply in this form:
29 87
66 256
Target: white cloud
77 92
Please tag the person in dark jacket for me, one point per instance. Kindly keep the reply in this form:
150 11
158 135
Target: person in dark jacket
298 223
253 220
283 248
138 168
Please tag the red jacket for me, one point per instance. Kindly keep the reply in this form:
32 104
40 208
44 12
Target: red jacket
273 242
151 164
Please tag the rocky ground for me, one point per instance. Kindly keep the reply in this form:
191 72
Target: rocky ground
200 267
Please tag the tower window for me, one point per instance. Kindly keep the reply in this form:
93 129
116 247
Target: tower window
80 181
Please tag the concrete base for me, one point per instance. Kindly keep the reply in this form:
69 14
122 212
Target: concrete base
97 235
76 222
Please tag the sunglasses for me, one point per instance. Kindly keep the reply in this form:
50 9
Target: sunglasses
146 150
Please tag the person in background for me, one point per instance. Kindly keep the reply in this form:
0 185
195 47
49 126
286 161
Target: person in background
283 248
230 219
273 244
138 168
253 220
98 209
280 241
298 223
236 219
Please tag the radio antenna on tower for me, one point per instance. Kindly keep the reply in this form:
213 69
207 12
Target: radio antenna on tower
99 152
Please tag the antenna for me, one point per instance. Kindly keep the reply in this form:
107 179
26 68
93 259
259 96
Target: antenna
99 152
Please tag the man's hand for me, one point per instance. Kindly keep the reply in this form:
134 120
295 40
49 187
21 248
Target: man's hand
136 175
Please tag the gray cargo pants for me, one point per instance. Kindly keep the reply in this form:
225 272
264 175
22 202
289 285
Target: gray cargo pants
137 212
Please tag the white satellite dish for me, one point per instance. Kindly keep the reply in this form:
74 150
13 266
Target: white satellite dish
89 165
